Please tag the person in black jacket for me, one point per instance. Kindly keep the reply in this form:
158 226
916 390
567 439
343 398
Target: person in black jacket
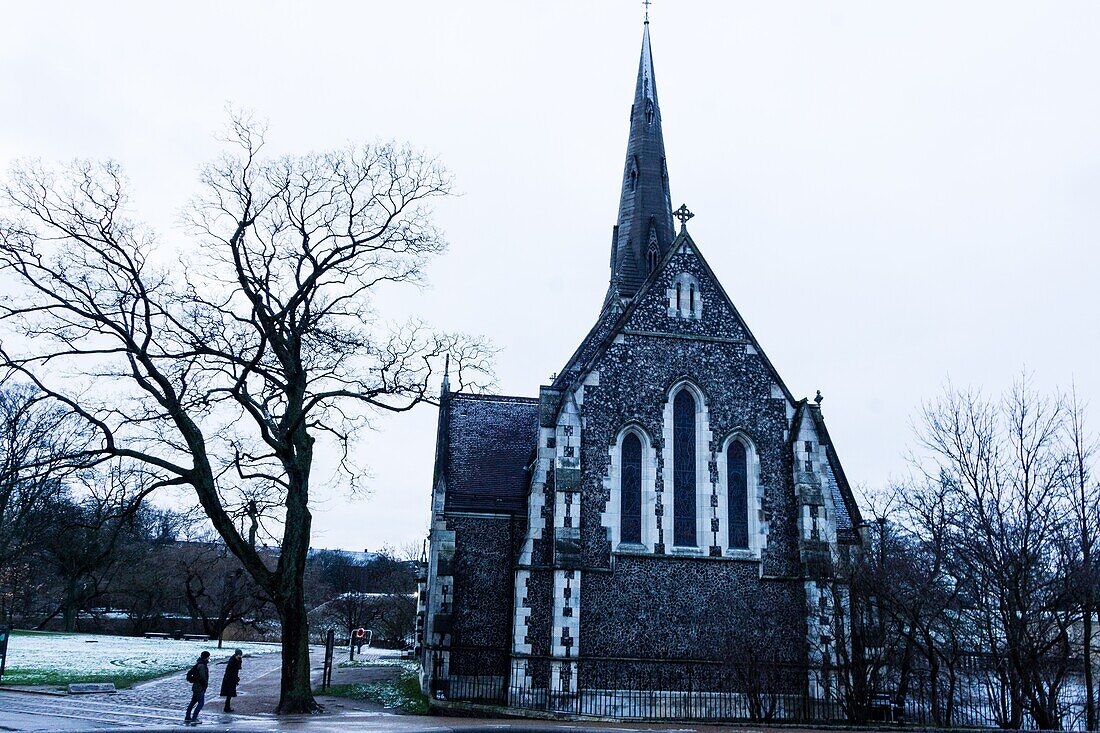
232 678
199 677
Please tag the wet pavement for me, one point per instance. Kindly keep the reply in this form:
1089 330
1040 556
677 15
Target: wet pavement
160 703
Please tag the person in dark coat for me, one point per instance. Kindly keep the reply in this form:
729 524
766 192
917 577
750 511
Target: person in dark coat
232 678
199 677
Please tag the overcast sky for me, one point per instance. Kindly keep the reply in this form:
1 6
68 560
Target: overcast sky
892 193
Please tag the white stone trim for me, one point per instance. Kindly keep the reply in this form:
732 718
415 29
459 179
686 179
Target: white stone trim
611 518
563 622
703 485
758 528
688 283
521 614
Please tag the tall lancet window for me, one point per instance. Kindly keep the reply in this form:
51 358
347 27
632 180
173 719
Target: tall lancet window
737 484
683 469
630 490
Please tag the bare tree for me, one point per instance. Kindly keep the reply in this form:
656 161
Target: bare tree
35 440
851 646
918 592
222 372
217 589
378 593
757 652
88 525
1083 501
350 610
144 590
1004 465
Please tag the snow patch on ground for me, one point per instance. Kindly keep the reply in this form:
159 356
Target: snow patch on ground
48 658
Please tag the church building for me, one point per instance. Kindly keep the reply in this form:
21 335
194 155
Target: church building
620 544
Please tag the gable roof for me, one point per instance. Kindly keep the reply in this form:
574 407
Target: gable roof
487 443
611 321
848 517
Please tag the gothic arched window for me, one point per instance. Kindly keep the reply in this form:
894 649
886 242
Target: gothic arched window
691 301
678 291
737 486
630 490
683 469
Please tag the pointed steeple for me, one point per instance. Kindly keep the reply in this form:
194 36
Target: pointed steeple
644 231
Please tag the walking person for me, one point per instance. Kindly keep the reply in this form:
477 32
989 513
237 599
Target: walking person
199 677
232 678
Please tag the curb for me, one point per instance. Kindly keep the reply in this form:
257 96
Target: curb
37 691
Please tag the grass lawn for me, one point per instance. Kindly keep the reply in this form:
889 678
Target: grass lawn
58 659
402 694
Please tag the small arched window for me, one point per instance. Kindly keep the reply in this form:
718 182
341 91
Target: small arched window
737 486
685 299
683 469
630 490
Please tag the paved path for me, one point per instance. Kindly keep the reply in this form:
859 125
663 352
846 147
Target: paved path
86 711
259 692
46 714
161 702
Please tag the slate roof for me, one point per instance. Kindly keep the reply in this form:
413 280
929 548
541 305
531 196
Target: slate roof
489 442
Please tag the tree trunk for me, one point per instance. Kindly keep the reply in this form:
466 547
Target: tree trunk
70 611
296 691
934 688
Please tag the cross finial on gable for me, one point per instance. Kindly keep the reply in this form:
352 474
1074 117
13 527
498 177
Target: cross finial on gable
683 214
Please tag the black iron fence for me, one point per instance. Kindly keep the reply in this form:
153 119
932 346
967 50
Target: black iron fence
707 690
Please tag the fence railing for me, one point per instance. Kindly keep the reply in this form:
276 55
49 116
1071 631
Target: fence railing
706 690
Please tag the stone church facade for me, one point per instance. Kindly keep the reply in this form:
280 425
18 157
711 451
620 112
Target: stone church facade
618 533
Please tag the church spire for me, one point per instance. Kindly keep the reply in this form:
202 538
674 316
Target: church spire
644 231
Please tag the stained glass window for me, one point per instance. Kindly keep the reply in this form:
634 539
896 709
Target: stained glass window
683 468
737 484
630 489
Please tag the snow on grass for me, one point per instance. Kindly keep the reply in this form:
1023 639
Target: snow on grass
384 658
39 658
401 693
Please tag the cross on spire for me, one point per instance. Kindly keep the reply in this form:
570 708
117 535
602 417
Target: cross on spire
683 214
647 3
